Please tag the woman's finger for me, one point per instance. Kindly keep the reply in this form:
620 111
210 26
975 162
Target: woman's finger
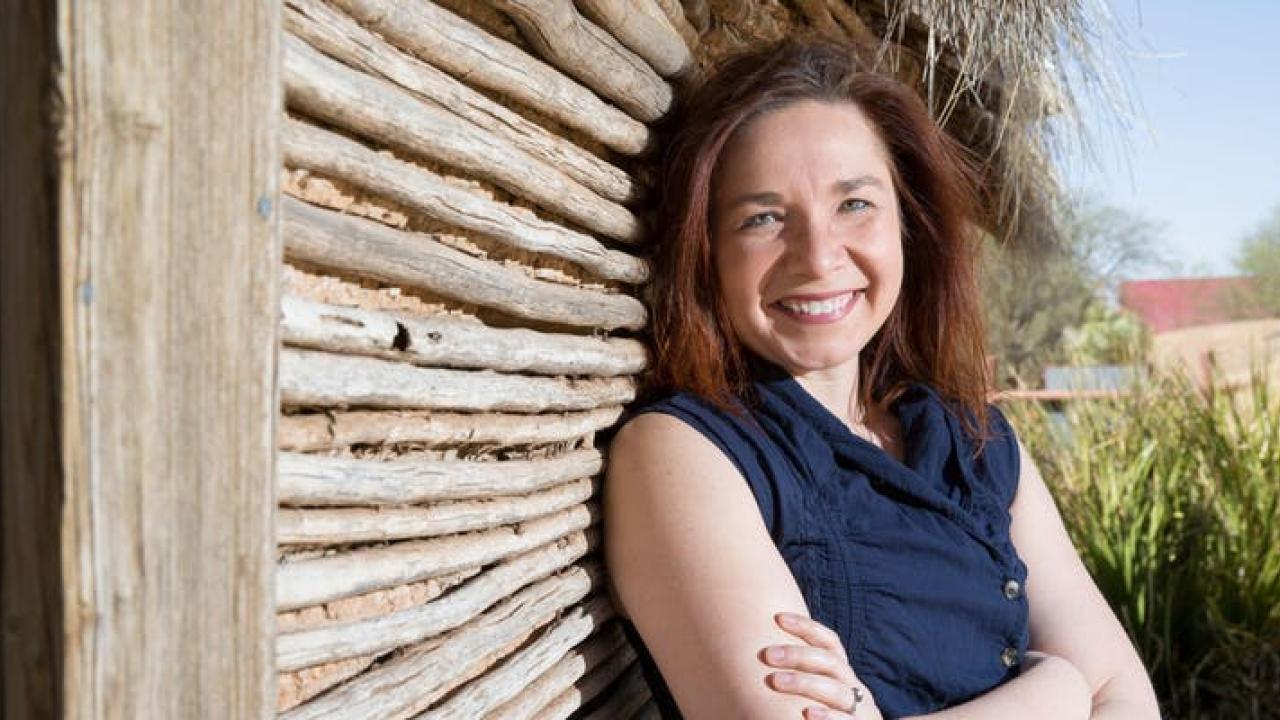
810 630
833 694
803 658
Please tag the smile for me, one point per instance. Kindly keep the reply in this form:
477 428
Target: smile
818 311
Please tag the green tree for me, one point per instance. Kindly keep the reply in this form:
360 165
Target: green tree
1260 258
1034 295
1107 336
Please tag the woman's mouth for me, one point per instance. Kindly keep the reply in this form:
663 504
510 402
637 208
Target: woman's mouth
817 311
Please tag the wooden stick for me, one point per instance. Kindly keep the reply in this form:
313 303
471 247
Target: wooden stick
319 481
335 641
580 48
327 431
342 37
452 43
643 27
685 21
338 526
374 604
413 186
592 685
451 341
608 645
339 242
310 582
296 687
318 379
506 680
324 88
411 682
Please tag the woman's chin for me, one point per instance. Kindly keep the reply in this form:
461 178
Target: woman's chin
799 361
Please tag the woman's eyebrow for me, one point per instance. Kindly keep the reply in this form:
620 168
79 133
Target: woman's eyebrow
772 198
760 198
844 186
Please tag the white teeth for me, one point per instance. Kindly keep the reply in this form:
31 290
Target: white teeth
823 307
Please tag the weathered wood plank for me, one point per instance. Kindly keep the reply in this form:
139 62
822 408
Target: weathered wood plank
643 27
609 645
418 188
582 49
329 430
324 88
342 37
452 43
313 646
688 21
451 341
319 481
349 244
165 171
310 582
592 685
411 682
343 526
307 146
506 680
317 379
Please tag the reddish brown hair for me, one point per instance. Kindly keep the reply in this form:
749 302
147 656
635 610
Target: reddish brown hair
934 333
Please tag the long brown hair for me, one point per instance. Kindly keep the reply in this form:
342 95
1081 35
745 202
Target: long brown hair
934 333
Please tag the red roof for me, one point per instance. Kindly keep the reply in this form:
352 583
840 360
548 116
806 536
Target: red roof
1172 304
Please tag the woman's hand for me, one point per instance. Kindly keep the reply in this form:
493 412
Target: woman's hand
819 671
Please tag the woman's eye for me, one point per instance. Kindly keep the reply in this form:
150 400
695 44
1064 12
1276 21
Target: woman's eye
855 204
761 219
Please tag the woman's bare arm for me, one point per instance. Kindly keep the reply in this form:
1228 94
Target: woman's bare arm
694 568
1069 616
1049 688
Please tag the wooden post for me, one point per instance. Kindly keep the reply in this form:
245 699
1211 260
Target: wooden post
141 256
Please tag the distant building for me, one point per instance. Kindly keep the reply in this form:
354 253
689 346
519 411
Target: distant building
1174 304
1215 328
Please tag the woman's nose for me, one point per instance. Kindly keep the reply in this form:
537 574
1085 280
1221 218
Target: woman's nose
817 248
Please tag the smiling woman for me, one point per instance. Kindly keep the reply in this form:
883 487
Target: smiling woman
815 444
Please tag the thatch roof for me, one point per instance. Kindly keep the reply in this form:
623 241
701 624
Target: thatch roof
993 73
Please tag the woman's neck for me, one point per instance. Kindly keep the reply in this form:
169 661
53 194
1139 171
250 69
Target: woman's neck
837 389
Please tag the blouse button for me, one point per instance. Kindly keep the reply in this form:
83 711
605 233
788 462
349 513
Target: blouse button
1009 656
1012 589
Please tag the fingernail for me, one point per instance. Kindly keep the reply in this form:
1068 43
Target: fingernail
776 653
783 679
786 618
817 713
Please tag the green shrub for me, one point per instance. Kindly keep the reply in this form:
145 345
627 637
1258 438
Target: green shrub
1172 497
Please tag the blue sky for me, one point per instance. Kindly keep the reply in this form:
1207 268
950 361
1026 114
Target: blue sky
1203 158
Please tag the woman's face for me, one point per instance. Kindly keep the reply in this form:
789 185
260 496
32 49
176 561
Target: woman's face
806 238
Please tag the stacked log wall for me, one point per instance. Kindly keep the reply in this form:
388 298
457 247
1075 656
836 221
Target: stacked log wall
463 248
459 308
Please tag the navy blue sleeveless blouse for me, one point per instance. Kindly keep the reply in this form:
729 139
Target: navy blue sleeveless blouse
910 562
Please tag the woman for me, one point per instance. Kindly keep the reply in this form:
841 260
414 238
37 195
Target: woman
817 445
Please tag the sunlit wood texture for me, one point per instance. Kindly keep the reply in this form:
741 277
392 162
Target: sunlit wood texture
150 363
458 319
